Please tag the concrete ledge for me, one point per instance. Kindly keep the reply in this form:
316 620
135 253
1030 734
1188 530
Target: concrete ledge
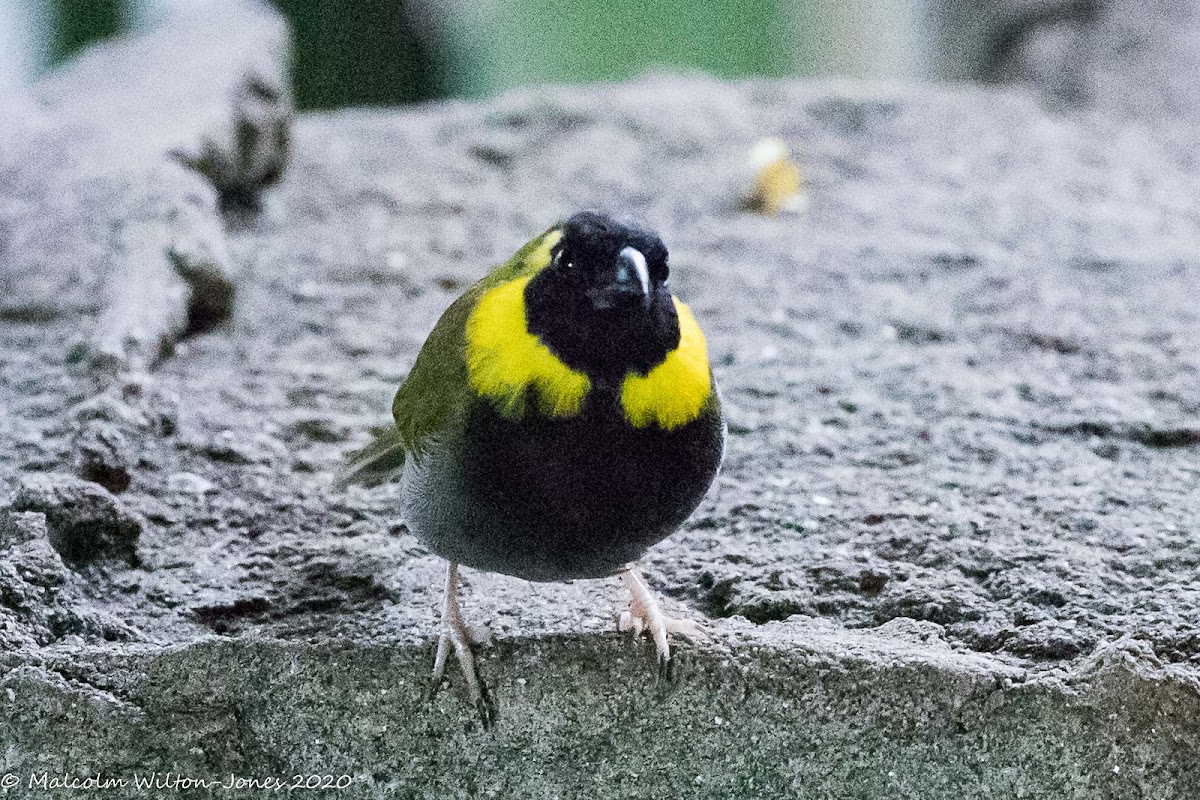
801 711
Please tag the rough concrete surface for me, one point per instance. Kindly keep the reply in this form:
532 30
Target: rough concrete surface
953 552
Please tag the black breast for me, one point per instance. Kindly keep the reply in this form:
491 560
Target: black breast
581 497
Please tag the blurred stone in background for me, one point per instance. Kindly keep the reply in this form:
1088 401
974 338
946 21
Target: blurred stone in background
1128 57
1112 53
385 52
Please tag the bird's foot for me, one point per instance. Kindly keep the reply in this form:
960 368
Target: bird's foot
644 615
455 636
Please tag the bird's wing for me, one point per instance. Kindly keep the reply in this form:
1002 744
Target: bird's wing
435 395
382 461
436 392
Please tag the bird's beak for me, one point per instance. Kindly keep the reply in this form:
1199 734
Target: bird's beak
633 277
627 286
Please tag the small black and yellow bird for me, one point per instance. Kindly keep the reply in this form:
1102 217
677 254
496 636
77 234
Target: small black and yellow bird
561 418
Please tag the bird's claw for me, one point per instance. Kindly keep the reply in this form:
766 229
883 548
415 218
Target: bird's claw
666 669
636 625
456 637
645 616
481 698
628 623
485 708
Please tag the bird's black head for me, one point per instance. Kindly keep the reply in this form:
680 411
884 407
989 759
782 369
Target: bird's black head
602 305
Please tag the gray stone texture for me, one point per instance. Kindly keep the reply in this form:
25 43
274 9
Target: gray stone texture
212 88
953 552
1132 58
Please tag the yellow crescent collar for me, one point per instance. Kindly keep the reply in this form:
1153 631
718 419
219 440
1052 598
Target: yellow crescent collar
508 365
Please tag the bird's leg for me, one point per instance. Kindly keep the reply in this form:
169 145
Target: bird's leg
644 614
454 634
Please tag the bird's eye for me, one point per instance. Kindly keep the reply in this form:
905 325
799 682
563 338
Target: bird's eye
561 260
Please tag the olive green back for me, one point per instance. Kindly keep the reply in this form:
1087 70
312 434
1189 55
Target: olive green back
435 394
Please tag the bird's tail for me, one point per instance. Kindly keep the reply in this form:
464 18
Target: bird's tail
382 461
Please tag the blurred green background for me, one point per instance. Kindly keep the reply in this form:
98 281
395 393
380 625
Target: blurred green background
376 52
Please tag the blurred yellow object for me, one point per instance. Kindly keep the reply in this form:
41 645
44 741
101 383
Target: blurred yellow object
778 182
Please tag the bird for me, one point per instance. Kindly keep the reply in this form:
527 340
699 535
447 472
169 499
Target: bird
561 418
